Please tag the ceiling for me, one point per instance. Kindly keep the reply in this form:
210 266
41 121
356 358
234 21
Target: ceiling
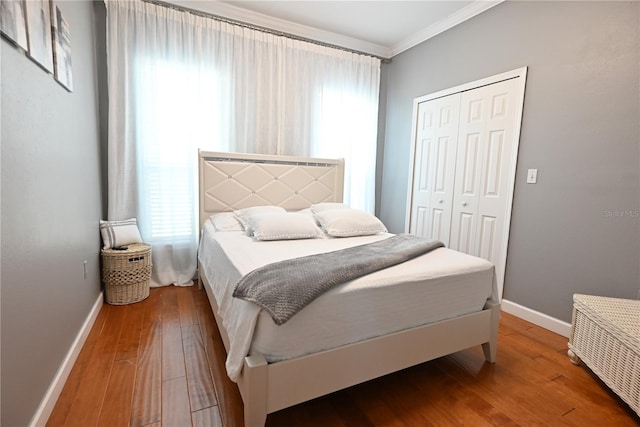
381 28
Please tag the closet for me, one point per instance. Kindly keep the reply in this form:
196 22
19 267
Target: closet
464 152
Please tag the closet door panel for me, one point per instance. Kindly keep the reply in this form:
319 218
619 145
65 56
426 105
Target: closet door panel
466 188
488 242
470 162
463 236
444 156
421 189
438 228
421 196
421 223
493 164
434 167
497 158
464 221
442 192
481 205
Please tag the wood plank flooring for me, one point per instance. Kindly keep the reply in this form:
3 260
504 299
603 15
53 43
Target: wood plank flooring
160 362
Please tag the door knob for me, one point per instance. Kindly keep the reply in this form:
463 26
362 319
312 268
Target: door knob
464 204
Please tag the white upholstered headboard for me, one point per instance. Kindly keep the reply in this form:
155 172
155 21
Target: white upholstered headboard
230 181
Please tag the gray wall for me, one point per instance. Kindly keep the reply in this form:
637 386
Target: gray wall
578 229
51 204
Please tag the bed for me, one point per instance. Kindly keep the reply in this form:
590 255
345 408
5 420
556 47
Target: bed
391 331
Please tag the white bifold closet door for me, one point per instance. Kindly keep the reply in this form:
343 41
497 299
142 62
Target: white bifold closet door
435 152
464 168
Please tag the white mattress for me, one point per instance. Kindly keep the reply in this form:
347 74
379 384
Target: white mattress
439 285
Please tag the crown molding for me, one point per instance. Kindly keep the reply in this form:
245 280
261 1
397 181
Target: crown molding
261 20
232 12
458 17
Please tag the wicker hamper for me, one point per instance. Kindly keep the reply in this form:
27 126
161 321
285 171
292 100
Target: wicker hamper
605 335
126 273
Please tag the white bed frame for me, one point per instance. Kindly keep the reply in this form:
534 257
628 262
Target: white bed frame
233 181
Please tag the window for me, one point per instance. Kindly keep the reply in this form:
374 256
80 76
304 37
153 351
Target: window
176 114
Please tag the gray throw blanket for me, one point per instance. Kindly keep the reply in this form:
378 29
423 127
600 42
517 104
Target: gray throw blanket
284 288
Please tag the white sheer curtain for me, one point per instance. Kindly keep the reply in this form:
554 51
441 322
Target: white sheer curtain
179 82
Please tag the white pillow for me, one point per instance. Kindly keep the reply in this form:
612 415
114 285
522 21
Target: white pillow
283 226
320 207
118 233
226 221
244 214
349 222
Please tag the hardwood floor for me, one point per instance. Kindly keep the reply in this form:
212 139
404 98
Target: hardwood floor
160 362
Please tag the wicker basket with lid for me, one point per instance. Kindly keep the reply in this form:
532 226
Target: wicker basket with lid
126 273
605 335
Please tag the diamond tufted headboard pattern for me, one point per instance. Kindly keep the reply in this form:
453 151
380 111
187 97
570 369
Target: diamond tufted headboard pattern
230 181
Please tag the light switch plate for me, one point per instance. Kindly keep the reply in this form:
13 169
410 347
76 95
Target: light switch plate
532 176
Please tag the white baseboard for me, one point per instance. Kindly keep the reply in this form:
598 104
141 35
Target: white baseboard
537 318
51 397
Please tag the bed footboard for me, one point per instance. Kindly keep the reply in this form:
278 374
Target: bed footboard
267 388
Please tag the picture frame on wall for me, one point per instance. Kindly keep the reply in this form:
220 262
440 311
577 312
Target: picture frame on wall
39 30
62 49
13 22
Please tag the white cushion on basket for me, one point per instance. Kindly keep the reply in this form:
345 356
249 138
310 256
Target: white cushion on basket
118 233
